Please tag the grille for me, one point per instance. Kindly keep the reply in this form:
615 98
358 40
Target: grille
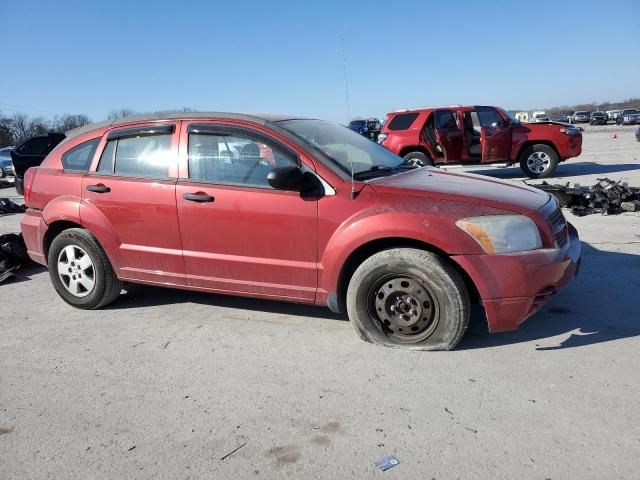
559 226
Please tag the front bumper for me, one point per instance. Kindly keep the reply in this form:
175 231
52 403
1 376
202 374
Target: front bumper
513 287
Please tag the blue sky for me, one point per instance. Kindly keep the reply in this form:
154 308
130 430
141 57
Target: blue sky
286 57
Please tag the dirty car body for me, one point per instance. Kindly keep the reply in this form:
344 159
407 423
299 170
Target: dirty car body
267 207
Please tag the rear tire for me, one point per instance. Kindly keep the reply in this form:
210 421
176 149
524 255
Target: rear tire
418 159
80 270
408 298
538 161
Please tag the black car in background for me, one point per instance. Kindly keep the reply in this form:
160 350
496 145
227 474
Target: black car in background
598 118
31 153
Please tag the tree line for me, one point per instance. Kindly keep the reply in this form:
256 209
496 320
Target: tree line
16 128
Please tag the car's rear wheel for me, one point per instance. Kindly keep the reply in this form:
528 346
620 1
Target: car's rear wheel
418 159
538 161
408 298
80 270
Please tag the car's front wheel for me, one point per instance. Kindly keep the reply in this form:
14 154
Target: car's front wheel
418 159
80 270
538 161
408 298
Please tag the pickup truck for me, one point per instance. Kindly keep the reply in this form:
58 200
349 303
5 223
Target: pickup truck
479 134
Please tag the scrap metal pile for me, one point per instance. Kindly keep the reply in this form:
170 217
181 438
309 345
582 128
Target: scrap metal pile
7 206
13 253
606 197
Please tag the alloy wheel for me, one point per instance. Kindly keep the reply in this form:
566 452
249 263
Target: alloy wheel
538 162
76 271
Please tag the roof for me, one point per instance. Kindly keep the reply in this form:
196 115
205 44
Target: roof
259 118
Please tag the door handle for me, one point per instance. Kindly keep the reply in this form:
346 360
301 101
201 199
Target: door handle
198 197
100 188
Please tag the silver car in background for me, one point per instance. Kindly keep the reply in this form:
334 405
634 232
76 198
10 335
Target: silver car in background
628 116
581 116
6 167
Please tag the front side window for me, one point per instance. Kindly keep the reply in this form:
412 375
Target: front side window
488 117
233 157
138 155
79 158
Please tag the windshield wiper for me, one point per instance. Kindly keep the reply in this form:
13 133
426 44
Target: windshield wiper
376 169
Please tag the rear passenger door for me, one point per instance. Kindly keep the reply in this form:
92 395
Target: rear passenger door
130 202
239 234
449 135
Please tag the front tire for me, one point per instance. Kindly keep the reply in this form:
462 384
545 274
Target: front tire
408 298
418 159
538 161
80 270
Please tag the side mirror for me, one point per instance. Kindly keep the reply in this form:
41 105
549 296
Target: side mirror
289 178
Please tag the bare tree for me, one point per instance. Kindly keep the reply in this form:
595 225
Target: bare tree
67 122
121 113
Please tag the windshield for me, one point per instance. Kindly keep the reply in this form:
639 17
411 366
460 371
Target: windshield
358 123
345 147
628 112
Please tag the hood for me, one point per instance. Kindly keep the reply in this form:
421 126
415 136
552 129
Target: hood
462 187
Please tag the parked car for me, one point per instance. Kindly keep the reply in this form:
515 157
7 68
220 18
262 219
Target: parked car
6 167
479 134
31 153
369 128
579 117
540 117
560 118
598 118
613 114
628 117
334 219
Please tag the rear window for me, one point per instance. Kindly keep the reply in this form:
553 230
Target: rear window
402 121
79 157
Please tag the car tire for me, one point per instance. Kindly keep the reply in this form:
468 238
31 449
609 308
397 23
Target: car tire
86 283
423 300
538 161
418 159
619 121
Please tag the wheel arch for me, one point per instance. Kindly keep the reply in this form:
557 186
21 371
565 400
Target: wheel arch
364 251
415 148
55 229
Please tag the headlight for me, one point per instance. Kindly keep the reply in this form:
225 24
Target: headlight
502 233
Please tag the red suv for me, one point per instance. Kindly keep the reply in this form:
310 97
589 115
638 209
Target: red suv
479 135
293 209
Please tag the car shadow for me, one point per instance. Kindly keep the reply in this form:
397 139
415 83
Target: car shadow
568 169
25 272
137 296
600 305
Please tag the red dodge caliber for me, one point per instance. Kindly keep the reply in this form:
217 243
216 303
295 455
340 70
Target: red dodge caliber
293 209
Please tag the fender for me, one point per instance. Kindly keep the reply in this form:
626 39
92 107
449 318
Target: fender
100 227
428 223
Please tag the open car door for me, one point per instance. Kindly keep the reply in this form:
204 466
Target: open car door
495 135
449 135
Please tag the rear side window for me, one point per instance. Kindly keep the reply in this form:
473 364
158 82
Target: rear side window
138 155
79 157
446 119
402 121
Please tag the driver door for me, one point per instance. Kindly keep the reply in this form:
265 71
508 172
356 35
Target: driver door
495 135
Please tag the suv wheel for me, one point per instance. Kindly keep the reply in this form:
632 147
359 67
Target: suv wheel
408 298
418 159
538 161
619 120
80 270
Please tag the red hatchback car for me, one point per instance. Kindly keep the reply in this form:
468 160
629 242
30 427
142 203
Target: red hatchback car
293 209
479 134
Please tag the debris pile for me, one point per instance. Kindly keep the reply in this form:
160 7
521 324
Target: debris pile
13 253
7 206
607 197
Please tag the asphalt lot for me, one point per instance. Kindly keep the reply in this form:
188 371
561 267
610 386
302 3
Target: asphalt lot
164 384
